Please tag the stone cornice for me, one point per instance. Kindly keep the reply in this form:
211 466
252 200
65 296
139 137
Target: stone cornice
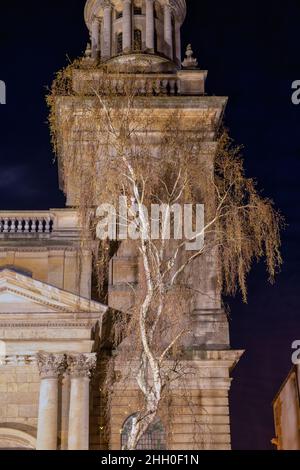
176 102
57 324
33 248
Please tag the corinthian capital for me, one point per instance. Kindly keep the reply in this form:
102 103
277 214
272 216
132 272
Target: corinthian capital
51 365
106 4
81 365
171 5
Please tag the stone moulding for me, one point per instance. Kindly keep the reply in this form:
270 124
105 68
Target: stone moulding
33 324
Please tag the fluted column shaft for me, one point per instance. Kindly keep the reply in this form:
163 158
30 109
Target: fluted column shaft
107 31
150 27
80 367
168 33
64 418
50 367
127 25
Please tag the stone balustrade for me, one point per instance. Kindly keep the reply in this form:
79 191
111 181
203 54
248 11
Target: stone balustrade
155 86
11 223
86 82
37 223
152 85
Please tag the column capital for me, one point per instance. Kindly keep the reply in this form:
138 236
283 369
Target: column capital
106 4
81 365
50 365
169 7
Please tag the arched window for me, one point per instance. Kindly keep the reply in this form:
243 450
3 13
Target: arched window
137 40
153 439
119 14
119 43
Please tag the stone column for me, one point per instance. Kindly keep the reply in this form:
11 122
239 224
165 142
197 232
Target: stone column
95 38
127 25
50 367
80 367
107 30
65 406
168 33
178 42
150 25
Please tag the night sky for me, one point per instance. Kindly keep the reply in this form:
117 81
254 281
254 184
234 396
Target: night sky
251 50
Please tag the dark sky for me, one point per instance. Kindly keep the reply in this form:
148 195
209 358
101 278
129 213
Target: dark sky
251 50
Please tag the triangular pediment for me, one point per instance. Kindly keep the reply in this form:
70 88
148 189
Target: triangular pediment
14 303
21 294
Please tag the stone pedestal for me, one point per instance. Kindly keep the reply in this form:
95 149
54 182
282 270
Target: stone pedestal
50 366
80 367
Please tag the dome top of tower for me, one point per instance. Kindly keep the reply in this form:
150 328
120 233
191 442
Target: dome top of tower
134 27
95 8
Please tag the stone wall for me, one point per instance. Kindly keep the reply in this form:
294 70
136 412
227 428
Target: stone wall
19 396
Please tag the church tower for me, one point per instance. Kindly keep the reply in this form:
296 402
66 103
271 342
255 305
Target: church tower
52 328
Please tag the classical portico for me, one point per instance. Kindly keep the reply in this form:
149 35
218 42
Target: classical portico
52 366
50 338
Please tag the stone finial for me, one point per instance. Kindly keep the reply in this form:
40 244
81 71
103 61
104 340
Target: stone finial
190 62
50 365
81 365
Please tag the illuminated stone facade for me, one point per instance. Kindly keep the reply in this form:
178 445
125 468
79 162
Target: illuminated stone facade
52 366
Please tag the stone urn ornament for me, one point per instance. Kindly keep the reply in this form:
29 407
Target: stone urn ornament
190 62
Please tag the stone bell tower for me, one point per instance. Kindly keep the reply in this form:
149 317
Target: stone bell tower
142 38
